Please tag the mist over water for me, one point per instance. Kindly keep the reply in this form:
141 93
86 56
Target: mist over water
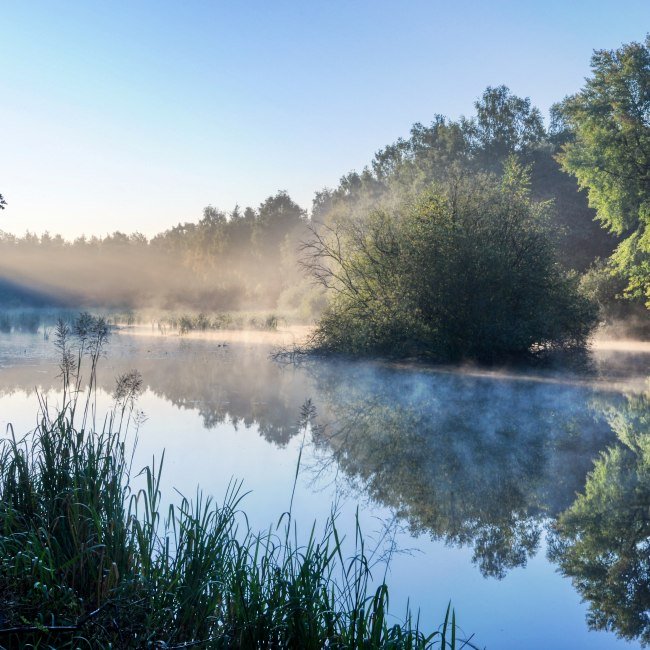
472 469
402 403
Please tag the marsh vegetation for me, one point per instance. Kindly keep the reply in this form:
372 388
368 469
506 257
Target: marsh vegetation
89 559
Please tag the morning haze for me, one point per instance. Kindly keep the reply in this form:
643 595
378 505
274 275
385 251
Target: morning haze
325 325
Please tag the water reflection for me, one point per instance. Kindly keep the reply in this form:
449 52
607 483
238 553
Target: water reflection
492 464
602 541
475 462
222 382
496 463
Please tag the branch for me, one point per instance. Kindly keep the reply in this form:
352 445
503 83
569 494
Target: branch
54 628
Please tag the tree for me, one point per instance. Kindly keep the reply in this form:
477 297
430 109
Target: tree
609 153
504 124
279 216
465 269
3 203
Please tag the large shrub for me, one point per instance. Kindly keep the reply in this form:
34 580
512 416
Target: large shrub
464 270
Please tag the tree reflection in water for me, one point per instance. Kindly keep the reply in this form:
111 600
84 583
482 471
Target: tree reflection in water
602 541
489 462
483 462
524 459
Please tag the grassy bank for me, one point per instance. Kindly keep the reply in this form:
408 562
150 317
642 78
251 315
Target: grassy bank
89 559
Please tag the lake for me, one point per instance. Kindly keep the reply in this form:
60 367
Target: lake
469 479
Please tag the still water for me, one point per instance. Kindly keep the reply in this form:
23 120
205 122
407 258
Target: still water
522 497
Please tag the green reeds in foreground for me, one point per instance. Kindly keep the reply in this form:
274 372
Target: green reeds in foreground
89 561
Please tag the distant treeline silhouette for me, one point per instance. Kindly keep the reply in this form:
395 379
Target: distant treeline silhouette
224 261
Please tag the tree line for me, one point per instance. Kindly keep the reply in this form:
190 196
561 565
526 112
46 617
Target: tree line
468 238
467 227
226 260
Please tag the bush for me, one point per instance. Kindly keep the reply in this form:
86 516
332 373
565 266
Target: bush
465 270
303 300
605 286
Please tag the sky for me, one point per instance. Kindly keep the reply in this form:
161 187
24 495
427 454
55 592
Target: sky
134 116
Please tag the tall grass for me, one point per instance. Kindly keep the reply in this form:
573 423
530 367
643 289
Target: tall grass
89 559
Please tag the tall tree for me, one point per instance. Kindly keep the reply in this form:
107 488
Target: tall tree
504 124
610 153
279 216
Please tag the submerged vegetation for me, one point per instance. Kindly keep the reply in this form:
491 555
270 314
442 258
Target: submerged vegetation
89 559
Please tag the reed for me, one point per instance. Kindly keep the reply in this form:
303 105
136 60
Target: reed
89 559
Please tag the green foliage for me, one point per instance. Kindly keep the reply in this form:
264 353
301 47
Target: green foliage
601 284
610 153
605 284
303 299
603 540
466 269
203 322
503 125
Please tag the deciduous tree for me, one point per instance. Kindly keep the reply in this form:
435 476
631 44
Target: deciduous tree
610 153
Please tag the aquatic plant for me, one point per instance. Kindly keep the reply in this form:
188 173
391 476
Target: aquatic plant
203 322
88 558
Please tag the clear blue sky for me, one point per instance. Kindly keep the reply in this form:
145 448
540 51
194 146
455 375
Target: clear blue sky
135 115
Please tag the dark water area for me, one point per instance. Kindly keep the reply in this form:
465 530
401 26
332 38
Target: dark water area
523 496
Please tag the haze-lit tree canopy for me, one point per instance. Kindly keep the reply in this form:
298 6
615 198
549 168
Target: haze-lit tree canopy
610 153
226 260
503 125
464 269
